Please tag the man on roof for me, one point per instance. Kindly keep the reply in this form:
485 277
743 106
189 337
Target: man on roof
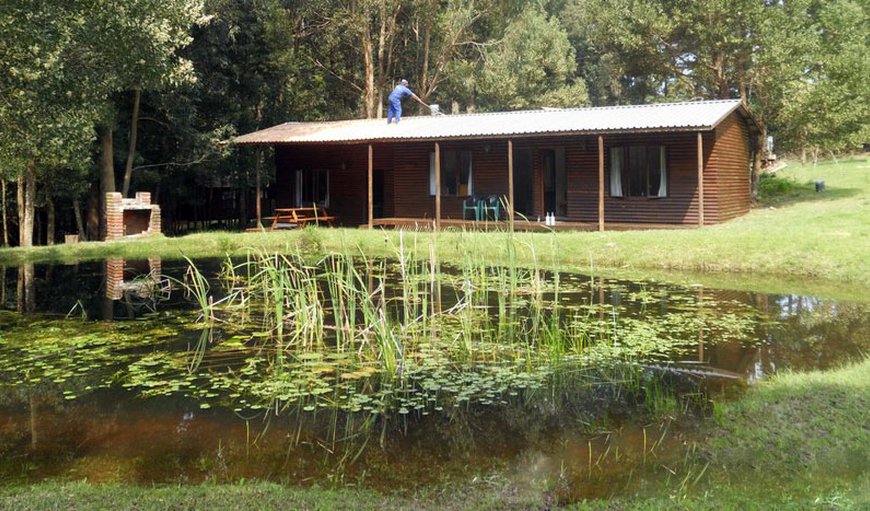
395 99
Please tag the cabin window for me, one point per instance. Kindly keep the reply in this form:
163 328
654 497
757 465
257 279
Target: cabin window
455 173
638 171
312 187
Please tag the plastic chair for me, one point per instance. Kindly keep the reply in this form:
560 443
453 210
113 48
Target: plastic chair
491 204
472 203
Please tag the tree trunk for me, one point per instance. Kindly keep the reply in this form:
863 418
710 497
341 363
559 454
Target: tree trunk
29 203
49 220
93 218
760 144
26 205
243 201
722 85
369 67
258 170
5 220
424 74
80 222
131 151
107 174
382 42
19 199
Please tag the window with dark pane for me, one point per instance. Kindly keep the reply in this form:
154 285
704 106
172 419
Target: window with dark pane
456 173
638 171
312 187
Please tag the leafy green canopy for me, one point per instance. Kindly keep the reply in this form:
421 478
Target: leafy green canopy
66 58
802 64
533 65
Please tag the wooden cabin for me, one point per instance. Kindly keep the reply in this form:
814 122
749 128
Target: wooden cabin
641 166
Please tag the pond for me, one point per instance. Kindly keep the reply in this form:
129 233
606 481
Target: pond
390 374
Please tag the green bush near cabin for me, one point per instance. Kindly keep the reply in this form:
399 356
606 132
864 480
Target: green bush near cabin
773 187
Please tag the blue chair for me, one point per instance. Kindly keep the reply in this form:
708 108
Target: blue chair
472 203
492 204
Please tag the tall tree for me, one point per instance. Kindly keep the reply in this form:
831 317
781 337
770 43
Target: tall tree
532 65
796 63
46 103
146 36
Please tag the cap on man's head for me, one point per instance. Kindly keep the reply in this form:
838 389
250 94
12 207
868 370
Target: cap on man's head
404 82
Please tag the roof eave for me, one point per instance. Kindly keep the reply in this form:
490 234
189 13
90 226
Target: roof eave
682 129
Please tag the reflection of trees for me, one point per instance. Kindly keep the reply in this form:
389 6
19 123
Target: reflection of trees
816 333
26 297
24 405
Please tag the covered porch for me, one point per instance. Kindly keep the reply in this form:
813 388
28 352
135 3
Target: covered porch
441 182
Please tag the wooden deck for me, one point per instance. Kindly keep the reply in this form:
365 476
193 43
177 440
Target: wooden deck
519 225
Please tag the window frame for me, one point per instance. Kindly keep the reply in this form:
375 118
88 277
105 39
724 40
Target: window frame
299 184
625 151
470 183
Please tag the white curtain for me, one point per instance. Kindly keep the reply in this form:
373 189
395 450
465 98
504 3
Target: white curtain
432 173
663 184
616 172
466 162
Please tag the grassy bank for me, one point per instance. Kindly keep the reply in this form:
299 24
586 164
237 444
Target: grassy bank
797 442
795 236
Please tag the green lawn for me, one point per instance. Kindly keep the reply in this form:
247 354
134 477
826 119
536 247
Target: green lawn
797 241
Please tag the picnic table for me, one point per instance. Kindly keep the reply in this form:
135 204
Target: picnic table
291 218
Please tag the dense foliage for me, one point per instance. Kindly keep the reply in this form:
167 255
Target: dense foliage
163 83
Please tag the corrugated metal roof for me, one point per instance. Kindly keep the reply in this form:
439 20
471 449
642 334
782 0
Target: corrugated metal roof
694 115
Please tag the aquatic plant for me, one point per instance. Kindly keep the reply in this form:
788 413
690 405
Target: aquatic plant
411 334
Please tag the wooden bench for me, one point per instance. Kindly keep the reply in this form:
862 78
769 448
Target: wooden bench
291 218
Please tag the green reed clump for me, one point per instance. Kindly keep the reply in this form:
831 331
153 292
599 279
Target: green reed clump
377 308
358 333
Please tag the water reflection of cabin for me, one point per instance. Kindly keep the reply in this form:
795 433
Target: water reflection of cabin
660 164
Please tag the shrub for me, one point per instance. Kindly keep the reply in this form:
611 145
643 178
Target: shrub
772 186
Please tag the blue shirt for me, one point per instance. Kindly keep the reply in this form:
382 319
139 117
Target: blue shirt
399 93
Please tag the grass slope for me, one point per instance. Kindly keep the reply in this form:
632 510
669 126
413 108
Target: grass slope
797 235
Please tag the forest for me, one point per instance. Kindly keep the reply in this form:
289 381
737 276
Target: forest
146 95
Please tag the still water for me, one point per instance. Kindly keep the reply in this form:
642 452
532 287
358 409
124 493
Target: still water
577 385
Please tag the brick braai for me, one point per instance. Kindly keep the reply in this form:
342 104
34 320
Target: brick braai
131 217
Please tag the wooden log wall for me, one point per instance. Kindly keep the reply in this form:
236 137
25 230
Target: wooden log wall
411 178
729 190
